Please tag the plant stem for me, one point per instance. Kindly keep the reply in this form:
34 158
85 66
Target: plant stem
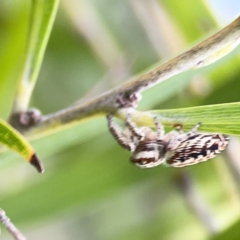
41 20
17 235
200 55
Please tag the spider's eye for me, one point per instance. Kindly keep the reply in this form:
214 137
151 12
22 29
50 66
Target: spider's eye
146 155
143 161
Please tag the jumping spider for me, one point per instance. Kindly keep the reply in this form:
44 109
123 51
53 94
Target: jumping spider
176 148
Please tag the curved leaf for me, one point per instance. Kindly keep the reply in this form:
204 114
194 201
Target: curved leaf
41 20
16 142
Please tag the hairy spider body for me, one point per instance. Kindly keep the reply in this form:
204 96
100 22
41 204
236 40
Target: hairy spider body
148 154
176 148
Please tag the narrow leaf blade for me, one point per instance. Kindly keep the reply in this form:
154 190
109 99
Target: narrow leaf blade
223 118
42 16
16 142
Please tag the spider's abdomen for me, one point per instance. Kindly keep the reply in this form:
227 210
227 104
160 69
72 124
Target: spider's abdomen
197 148
147 154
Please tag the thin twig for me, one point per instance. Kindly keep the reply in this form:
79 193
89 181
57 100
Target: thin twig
17 235
127 95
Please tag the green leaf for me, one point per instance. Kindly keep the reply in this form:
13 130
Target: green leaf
223 118
41 20
16 142
231 233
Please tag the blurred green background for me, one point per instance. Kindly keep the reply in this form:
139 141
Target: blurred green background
90 190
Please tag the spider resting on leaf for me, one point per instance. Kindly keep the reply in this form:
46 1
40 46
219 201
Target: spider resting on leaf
176 149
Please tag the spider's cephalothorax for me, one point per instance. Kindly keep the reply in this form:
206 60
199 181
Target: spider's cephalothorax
176 148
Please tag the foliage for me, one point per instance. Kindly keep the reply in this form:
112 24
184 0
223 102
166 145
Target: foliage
89 189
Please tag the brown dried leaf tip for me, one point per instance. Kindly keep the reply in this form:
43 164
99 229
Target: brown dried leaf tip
36 163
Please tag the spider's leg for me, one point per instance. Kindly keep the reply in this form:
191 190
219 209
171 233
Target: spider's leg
193 130
173 140
179 129
117 133
176 138
133 128
159 128
182 137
